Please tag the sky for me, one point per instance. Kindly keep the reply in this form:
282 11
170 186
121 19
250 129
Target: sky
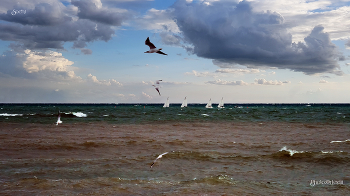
252 51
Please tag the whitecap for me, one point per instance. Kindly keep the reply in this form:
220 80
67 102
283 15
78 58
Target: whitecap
79 114
330 152
106 115
6 114
336 141
348 140
204 114
291 152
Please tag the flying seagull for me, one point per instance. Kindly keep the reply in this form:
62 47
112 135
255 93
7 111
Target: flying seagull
59 118
152 48
160 156
157 86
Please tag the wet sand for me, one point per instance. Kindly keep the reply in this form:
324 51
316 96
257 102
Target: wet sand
204 158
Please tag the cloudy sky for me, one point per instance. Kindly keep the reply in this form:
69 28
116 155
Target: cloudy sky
255 51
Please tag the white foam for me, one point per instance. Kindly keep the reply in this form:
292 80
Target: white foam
6 114
106 115
205 115
348 140
291 152
336 141
329 152
79 114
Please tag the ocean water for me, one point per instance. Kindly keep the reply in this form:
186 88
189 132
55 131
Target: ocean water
107 149
143 113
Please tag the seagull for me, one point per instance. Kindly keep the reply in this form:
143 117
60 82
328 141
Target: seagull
160 156
152 48
157 86
59 118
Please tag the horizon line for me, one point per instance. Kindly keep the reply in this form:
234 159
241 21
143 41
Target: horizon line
181 103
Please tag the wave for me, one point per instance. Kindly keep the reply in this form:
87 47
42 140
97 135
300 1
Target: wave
322 157
6 114
64 145
346 141
290 152
78 114
213 180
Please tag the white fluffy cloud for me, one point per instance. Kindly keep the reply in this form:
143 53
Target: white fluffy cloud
157 20
39 61
31 64
301 15
201 74
238 71
223 82
263 81
109 82
149 97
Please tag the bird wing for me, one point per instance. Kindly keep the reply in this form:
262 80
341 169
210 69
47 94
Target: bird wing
158 91
163 153
148 43
160 52
160 156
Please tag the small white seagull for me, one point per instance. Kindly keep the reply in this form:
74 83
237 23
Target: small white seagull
59 118
160 156
152 48
157 86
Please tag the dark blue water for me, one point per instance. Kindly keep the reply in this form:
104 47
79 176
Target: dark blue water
143 113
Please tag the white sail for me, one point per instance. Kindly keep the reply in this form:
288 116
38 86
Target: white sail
184 103
166 104
221 104
209 104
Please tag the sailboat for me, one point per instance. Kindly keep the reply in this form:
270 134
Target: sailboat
184 103
209 104
221 104
166 104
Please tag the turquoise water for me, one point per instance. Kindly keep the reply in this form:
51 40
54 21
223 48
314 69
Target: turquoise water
143 113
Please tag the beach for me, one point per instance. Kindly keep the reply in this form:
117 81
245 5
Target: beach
226 158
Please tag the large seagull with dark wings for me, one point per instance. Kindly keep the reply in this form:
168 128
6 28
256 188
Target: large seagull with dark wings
152 48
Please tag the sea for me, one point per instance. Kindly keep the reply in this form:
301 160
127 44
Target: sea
241 149
148 113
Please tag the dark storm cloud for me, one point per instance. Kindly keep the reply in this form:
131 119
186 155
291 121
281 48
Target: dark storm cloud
12 65
51 25
231 33
43 14
89 10
86 51
41 37
347 43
